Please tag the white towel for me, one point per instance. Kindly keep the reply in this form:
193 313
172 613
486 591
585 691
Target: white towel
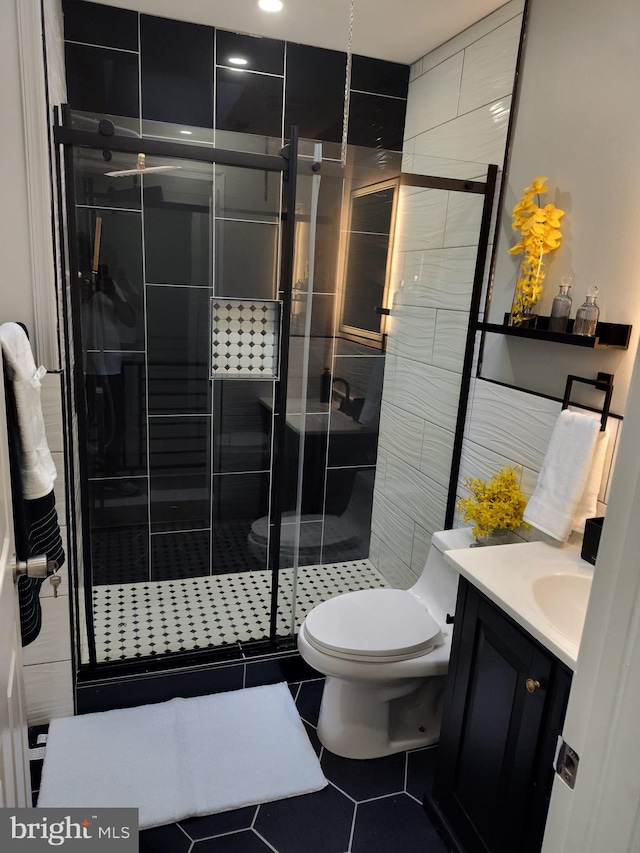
568 475
37 469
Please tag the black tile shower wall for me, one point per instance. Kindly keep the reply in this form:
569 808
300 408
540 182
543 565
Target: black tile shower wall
177 349
248 102
314 99
92 23
178 237
376 121
377 75
177 71
259 54
179 472
102 80
180 465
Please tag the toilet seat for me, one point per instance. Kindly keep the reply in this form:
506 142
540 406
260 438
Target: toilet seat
373 625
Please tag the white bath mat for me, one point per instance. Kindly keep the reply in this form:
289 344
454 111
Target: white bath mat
182 758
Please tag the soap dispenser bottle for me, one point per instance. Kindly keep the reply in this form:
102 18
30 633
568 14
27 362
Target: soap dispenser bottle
561 307
325 385
587 315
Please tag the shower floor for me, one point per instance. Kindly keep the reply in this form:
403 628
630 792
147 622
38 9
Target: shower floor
135 620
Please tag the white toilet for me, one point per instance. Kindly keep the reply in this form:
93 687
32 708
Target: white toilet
385 653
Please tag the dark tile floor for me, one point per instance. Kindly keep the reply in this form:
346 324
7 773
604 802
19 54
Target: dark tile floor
368 807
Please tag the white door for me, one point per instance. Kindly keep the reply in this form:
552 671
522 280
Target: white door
14 774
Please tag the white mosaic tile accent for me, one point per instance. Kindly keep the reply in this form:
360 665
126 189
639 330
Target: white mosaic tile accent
135 620
245 336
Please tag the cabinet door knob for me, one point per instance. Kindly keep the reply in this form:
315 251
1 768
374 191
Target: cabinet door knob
532 685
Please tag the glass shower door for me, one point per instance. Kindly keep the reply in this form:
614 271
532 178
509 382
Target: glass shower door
177 428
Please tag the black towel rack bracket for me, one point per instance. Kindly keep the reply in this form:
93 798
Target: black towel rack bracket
602 382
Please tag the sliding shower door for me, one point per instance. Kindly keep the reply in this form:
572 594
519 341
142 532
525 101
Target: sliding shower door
177 314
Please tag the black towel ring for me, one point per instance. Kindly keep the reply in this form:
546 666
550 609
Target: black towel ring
603 382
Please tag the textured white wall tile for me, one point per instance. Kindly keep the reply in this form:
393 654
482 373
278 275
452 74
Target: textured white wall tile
512 423
389 377
421 219
440 167
450 340
381 467
437 450
421 546
415 70
415 495
374 549
489 66
433 97
427 391
48 691
411 332
397 573
439 278
401 433
392 526
478 136
528 481
53 643
473 33
464 215
479 462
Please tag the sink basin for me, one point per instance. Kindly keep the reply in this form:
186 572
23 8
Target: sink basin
563 600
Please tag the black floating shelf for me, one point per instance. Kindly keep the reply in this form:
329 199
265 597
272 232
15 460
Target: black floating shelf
607 336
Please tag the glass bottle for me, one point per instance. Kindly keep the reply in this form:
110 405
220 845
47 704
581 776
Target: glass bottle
561 307
587 315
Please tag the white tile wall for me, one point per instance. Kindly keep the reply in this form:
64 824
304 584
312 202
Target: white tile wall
402 433
439 278
421 219
411 333
48 691
478 136
450 340
511 427
427 391
489 67
434 96
457 119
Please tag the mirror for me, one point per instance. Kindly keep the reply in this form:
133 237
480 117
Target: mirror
368 262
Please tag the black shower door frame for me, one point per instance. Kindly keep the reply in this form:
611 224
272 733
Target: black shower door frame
65 139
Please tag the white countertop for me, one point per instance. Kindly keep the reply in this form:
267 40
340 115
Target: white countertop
507 575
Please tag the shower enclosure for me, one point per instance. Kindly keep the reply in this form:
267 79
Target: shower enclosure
229 313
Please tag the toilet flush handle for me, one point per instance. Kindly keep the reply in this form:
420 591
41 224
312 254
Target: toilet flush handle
449 619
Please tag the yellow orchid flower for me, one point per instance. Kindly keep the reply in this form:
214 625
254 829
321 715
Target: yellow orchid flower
540 234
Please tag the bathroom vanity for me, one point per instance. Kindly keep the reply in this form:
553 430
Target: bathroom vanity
518 623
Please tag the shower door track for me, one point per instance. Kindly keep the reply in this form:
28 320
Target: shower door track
65 138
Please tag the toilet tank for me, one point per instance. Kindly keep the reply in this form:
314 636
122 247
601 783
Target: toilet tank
437 586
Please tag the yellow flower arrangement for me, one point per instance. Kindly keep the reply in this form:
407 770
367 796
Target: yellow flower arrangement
496 505
540 234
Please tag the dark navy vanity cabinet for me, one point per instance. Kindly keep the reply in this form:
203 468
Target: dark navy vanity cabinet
504 709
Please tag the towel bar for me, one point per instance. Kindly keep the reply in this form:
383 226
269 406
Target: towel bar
603 382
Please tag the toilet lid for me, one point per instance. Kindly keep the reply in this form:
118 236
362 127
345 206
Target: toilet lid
373 623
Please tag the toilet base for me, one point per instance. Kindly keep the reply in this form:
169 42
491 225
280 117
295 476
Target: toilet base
360 720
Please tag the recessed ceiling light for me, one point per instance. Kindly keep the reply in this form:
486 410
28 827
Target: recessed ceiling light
187 132
237 60
270 5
